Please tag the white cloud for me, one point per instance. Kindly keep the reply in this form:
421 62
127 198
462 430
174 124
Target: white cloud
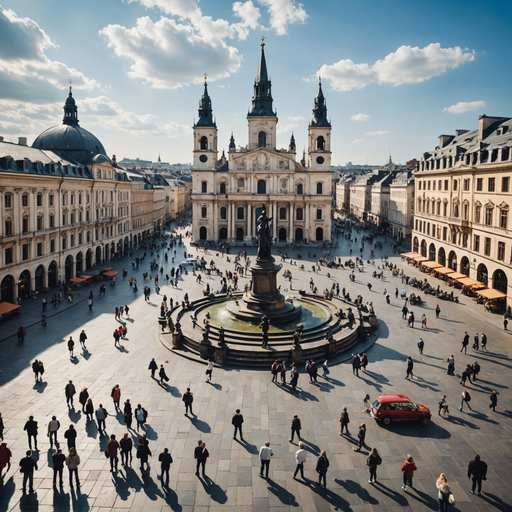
286 128
465 106
296 119
381 132
358 141
407 65
284 13
360 117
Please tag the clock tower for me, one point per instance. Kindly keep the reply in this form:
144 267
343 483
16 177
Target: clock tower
319 135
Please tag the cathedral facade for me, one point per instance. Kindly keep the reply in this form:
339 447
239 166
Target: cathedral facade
228 193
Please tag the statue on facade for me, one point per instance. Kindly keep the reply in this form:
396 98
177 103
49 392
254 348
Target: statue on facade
264 325
264 235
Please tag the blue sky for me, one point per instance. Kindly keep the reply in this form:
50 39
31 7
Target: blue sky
395 74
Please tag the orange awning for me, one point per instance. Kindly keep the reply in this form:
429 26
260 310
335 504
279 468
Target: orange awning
492 294
409 254
110 273
445 270
457 275
77 280
467 281
420 258
478 286
7 307
432 264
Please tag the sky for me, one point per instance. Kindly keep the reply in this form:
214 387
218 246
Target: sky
395 74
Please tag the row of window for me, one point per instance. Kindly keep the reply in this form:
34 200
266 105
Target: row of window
466 184
261 187
468 159
240 213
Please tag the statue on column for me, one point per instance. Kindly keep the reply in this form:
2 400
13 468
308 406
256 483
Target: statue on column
264 235
264 325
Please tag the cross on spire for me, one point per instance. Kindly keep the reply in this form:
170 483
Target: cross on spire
205 77
70 82
262 40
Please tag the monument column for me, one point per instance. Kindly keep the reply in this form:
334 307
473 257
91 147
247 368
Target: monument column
292 212
230 209
274 217
249 219
215 221
308 218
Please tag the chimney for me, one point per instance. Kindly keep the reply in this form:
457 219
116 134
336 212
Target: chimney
22 141
483 123
114 162
444 140
460 132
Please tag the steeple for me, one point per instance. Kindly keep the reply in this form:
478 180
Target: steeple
292 147
205 108
262 98
232 146
320 109
159 160
70 109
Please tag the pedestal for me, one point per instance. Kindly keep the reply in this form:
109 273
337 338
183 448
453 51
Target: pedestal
297 355
221 354
176 339
204 350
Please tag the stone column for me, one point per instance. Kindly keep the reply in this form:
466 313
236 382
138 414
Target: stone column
230 210
274 216
249 220
215 221
308 218
32 219
292 213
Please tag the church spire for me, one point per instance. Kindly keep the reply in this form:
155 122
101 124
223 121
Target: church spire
232 146
292 146
205 117
70 109
320 109
262 98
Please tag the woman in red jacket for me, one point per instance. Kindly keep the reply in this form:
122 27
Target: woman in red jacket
5 457
408 469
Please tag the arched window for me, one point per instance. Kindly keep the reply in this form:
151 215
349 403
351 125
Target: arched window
299 213
24 200
204 187
320 143
204 143
240 213
241 183
223 213
8 227
8 200
319 188
203 233
262 139
300 189
283 183
262 187
282 213
222 188
204 212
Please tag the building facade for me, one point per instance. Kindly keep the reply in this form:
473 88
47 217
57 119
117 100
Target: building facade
463 200
401 206
228 193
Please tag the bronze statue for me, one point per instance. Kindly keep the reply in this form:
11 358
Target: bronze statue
221 336
265 239
264 325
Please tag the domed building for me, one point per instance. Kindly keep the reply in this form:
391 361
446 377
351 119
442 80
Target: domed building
71 141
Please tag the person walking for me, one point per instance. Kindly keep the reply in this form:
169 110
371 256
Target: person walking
101 416
476 343
438 311
71 345
294 378
111 453
89 409
265 456
209 371
441 404
70 435
126 445
444 493
313 371
421 344
162 374
364 362
143 452
1 426
451 365
410 366
116 337
372 462
128 414
476 370
201 454
273 370
300 459
494 400
361 435
83 337
484 342
83 397
70 392
404 312
27 467
187 399
296 427
237 421
408 469
116 396
31 428
141 416
465 343
465 374
356 363
344 420
90 302
58 460
72 462
35 369
5 457
477 469
325 369
283 372
424 321
165 459
53 427
153 367
505 323
322 464
466 397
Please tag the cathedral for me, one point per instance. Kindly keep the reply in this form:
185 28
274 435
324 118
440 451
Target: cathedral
228 193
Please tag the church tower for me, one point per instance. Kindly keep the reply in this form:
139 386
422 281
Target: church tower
205 134
262 119
319 135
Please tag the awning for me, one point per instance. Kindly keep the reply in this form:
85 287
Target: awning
492 294
110 273
7 307
77 279
432 264
457 275
409 254
445 270
478 286
468 281
92 273
420 258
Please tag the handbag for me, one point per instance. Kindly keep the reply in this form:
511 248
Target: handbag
451 500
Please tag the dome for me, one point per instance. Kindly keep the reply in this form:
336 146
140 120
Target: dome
98 159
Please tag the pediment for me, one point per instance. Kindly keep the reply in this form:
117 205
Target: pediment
263 159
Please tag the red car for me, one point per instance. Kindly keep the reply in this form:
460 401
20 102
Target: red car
388 408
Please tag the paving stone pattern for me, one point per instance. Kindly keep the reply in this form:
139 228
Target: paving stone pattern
232 481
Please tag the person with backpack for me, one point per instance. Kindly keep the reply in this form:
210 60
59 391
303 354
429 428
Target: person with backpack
466 398
141 416
421 344
372 462
187 399
408 469
322 464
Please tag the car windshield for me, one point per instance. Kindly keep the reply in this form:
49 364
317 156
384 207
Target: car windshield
376 405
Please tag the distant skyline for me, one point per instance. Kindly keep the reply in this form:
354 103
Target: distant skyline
395 75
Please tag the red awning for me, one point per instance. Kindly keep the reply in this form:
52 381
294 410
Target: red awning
7 307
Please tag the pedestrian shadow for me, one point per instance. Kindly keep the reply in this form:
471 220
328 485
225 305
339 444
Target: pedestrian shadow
151 433
40 386
120 417
494 357
201 425
61 499
390 493
456 420
505 413
103 441
495 501
215 491
74 359
251 448
433 357
324 387
336 382
121 485
29 502
79 500
132 479
49 457
424 499
171 498
422 383
86 354
74 415
310 447
150 487
218 387
483 417
91 428
284 496
122 349
352 487
493 385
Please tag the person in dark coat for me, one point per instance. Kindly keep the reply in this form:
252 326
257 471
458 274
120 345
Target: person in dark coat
372 462
465 343
201 454
494 400
187 399
27 465
111 452
70 435
165 459
237 421
58 459
294 379
344 420
82 338
410 366
82 398
356 363
126 448
31 428
361 435
35 369
70 392
313 371
71 345
478 470
128 414
143 452
321 468
162 374
296 427
89 409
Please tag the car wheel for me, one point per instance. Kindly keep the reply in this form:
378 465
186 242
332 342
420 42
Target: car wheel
386 421
425 420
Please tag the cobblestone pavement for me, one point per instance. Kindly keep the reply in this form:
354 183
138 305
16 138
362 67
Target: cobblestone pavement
232 481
